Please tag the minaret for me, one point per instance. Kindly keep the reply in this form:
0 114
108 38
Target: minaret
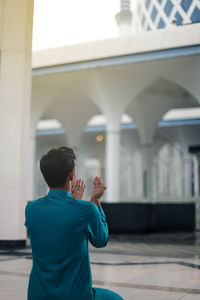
124 18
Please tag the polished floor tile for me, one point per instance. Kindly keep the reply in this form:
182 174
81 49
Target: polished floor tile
141 294
142 267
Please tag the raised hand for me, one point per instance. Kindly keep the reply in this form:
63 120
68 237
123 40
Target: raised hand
98 190
78 188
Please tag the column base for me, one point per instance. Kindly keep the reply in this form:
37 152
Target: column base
12 244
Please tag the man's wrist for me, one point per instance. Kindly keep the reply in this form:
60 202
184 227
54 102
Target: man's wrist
98 204
96 201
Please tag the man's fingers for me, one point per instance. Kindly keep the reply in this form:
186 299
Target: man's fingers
78 182
82 185
73 182
101 181
95 180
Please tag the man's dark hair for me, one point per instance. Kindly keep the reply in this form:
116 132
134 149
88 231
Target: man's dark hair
56 166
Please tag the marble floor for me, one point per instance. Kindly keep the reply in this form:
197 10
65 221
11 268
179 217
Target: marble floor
138 267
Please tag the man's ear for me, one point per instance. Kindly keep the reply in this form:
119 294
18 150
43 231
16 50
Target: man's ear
71 174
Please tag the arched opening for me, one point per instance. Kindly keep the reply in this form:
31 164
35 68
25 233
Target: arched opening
176 165
63 123
175 175
162 107
93 155
50 133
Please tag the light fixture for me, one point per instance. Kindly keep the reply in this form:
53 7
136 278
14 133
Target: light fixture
99 138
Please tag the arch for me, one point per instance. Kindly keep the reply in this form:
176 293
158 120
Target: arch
186 75
73 110
43 143
160 140
153 102
169 168
113 90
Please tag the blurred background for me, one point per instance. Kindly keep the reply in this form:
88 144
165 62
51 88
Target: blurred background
118 81
130 111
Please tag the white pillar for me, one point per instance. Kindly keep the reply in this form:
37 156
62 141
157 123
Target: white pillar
197 175
113 165
147 163
15 93
197 206
187 173
32 169
79 161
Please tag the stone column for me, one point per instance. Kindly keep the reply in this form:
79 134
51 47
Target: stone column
15 93
79 160
113 164
198 199
32 170
187 182
147 163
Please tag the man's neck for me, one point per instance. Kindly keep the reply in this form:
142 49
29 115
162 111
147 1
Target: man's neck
65 187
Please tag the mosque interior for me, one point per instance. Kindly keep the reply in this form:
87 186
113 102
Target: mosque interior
129 106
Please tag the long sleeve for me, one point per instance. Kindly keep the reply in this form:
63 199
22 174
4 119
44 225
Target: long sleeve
26 217
97 227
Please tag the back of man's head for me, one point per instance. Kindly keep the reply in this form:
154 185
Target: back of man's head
56 166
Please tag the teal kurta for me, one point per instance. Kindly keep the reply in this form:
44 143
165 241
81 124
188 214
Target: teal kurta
59 228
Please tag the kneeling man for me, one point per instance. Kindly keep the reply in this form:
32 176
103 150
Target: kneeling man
59 227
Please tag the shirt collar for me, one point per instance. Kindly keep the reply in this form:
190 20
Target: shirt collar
59 193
